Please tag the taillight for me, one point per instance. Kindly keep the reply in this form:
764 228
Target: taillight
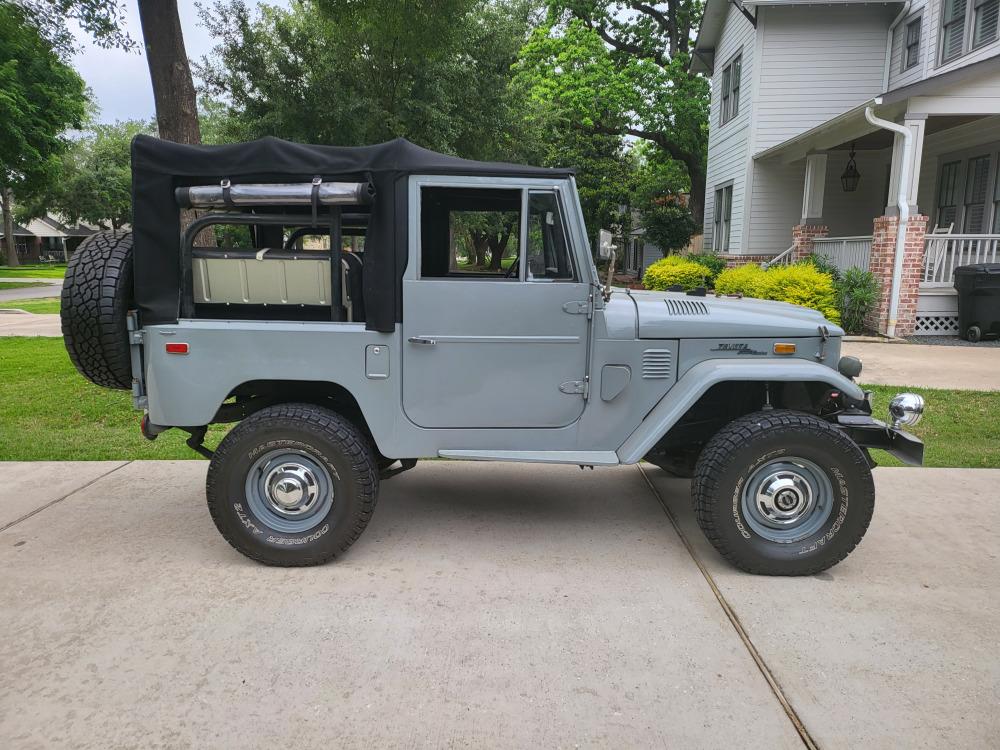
176 347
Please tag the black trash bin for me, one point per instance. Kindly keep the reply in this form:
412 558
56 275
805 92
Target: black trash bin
978 287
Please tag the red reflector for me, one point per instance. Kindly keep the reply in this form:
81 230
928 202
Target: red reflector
176 348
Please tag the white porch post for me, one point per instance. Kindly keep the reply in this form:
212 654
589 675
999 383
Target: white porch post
812 193
917 125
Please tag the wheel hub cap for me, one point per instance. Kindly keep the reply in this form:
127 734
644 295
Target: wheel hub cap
289 490
787 499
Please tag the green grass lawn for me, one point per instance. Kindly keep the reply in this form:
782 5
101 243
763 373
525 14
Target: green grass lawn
40 306
5 285
36 271
49 412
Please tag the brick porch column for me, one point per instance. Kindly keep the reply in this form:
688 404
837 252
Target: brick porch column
880 263
802 239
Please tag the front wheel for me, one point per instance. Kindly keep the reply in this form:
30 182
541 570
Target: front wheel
293 485
783 493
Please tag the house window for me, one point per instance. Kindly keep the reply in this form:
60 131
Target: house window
984 28
996 204
952 29
911 51
976 188
947 198
730 104
723 218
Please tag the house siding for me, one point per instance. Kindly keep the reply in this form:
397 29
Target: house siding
728 144
776 205
817 62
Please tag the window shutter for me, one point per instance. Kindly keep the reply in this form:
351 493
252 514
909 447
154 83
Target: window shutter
987 12
953 31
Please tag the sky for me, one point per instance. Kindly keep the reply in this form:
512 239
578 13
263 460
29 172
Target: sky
119 81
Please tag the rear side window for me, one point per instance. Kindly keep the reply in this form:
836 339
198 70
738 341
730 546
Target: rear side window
470 233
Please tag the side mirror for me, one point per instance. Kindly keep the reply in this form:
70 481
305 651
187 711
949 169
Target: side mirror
604 246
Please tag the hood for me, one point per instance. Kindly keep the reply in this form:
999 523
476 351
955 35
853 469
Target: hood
672 315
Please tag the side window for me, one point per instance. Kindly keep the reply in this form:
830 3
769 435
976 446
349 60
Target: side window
730 100
911 49
470 233
723 215
549 257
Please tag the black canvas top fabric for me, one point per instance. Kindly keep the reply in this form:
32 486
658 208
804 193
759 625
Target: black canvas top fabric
158 167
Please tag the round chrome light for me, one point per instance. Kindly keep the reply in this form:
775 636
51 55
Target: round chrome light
906 408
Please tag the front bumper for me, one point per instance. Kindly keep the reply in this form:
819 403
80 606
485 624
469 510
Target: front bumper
872 433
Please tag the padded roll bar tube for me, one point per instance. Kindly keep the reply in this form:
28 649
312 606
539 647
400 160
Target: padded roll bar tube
276 194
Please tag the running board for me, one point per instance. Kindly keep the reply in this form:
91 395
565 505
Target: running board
582 458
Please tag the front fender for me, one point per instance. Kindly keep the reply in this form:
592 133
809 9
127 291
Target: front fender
704 375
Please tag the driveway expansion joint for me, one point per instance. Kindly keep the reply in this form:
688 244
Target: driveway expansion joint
58 500
734 620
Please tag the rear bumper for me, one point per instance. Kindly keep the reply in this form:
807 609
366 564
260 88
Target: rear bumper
872 433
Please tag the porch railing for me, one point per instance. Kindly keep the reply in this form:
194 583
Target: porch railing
946 252
845 252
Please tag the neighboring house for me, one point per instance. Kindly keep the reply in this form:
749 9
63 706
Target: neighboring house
640 253
47 238
791 83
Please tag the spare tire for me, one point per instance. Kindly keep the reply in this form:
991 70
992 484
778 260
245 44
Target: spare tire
96 297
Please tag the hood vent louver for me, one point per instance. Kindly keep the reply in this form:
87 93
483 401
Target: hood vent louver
657 363
686 307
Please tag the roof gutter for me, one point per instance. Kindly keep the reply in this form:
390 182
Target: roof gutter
888 44
902 204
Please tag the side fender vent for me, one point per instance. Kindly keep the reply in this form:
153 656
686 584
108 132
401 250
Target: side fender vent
686 307
657 363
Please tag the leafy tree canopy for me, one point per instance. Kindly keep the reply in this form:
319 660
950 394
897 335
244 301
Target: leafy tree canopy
102 19
95 178
40 97
621 68
345 72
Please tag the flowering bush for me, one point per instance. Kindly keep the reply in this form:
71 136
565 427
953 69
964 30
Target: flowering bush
675 269
800 284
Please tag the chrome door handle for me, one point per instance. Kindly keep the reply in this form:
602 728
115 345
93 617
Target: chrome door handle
421 340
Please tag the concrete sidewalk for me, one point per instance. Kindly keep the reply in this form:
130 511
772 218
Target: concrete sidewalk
13 323
52 288
920 366
487 605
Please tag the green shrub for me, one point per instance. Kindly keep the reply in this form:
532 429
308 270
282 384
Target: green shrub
675 269
857 295
824 264
800 284
712 262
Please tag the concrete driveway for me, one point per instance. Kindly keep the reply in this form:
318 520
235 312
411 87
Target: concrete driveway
489 605
51 288
974 368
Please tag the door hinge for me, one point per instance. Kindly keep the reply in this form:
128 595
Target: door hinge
577 386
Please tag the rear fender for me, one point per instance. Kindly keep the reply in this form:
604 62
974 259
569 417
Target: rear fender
704 375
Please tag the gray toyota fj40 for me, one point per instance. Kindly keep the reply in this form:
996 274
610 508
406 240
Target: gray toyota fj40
355 322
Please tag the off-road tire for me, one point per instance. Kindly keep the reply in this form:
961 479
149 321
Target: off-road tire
324 436
96 296
727 465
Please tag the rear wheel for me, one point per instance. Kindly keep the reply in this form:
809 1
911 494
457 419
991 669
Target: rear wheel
783 493
293 485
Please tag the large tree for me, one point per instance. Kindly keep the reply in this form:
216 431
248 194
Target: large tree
95 178
622 68
350 73
40 97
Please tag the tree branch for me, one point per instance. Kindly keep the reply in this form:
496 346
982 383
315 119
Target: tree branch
666 21
632 49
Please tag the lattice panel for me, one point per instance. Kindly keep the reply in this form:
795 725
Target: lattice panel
936 325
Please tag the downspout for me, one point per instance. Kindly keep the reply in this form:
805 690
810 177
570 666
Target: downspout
902 204
888 45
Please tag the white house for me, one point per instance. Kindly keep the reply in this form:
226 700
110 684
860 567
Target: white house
803 91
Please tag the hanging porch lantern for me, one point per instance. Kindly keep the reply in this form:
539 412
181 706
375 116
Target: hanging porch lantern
851 176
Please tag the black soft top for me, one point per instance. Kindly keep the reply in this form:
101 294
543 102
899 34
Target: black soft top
159 167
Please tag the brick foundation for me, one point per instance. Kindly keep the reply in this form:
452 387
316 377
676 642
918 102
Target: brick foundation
732 261
802 239
881 264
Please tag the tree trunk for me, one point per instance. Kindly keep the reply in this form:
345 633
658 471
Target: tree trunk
173 88
169 71
8 226
696 173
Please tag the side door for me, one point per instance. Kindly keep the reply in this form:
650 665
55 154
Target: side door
495 324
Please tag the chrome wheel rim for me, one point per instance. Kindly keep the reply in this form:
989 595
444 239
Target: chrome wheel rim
289 491
787 499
